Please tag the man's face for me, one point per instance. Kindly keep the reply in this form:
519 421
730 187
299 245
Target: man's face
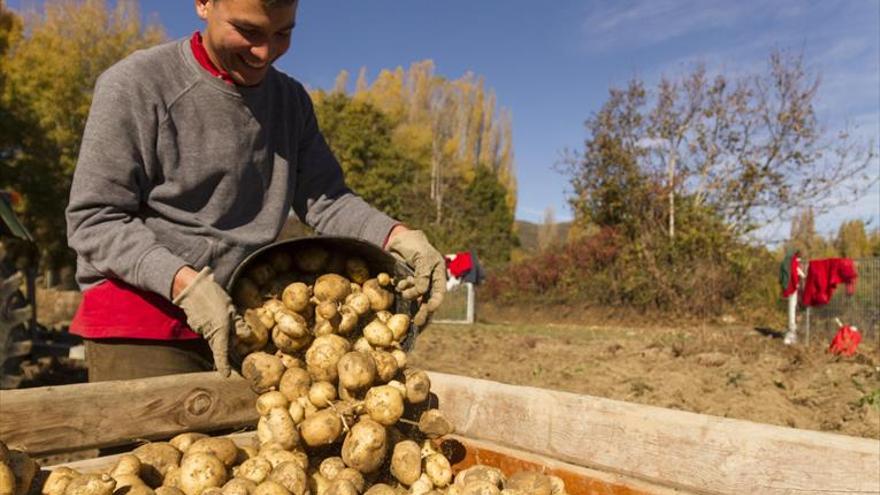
244 38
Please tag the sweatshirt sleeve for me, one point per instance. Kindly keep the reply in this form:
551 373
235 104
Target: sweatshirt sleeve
110 183
322 199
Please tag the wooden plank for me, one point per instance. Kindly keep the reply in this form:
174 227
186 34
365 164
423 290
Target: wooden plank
47 420
696 452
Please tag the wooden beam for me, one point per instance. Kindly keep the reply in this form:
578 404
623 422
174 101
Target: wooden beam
695 452
47 420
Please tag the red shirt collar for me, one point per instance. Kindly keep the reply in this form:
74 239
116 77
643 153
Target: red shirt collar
198 49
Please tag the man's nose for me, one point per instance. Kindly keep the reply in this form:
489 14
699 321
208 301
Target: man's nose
261 52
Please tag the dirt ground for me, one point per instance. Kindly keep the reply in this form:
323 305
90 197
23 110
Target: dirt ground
723 370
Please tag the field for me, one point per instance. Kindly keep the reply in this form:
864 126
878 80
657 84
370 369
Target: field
731 371
723 370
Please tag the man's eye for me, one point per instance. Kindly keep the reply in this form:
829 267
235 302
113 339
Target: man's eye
246 31
283 34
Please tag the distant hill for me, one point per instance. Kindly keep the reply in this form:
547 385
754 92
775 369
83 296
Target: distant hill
528 234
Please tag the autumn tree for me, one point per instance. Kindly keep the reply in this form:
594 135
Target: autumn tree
548 230
48 76
750 148
852 241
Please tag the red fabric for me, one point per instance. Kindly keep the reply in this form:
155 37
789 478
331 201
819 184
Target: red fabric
114 309
198 49
794 279
846 342
823 276
461 264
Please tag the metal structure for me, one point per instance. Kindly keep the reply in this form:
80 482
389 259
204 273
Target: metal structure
458 305
861 309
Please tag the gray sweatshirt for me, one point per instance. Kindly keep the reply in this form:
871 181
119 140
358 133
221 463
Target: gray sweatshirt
179 168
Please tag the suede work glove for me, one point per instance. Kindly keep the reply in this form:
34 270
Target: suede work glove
429 267
211 314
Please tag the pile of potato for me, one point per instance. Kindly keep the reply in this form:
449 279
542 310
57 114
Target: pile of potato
323 350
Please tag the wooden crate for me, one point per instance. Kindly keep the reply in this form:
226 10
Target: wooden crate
597 445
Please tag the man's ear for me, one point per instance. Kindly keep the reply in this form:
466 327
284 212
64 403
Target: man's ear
203 7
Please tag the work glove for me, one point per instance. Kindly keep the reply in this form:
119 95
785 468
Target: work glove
211 314
429 268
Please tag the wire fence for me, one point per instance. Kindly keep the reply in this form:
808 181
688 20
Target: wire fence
861 309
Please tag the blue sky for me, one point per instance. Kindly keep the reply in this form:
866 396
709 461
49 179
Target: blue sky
551 63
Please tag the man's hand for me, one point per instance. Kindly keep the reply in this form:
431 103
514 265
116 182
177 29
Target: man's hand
209 311
429 267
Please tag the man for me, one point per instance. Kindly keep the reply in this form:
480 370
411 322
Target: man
193 154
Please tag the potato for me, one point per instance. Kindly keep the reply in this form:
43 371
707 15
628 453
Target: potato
156 458
271 399
168 490
239 486
222 448
181 442
291 324
277 456
422 486
246 452
480 488
531 482
266 317
400 357
246 294
399 325
278 427
311 259
322 393
332 287
318 484
557 486
418 385
200 471
323 355
361 345
406 462
269 487
365 446
55 483
127 480
255 469
324 327
295 383
438 469
378 334
353 476
380 299
280 261
341 487
261 274
380 489
348 320
296 297
91 484
480 472
356 370
297 412
172 477
434 424
384 316
322 428
386 366
288 344
359 302
4 450
357 270
262 370
289 361
254 336
291 476
331 466
453 490
384 404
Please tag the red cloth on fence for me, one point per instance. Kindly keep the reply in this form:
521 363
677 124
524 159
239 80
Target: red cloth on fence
461 264
114 309
846 341
823 276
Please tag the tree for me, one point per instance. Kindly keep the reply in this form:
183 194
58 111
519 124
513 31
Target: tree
852 241
548 230
48 76
750 148
804 237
